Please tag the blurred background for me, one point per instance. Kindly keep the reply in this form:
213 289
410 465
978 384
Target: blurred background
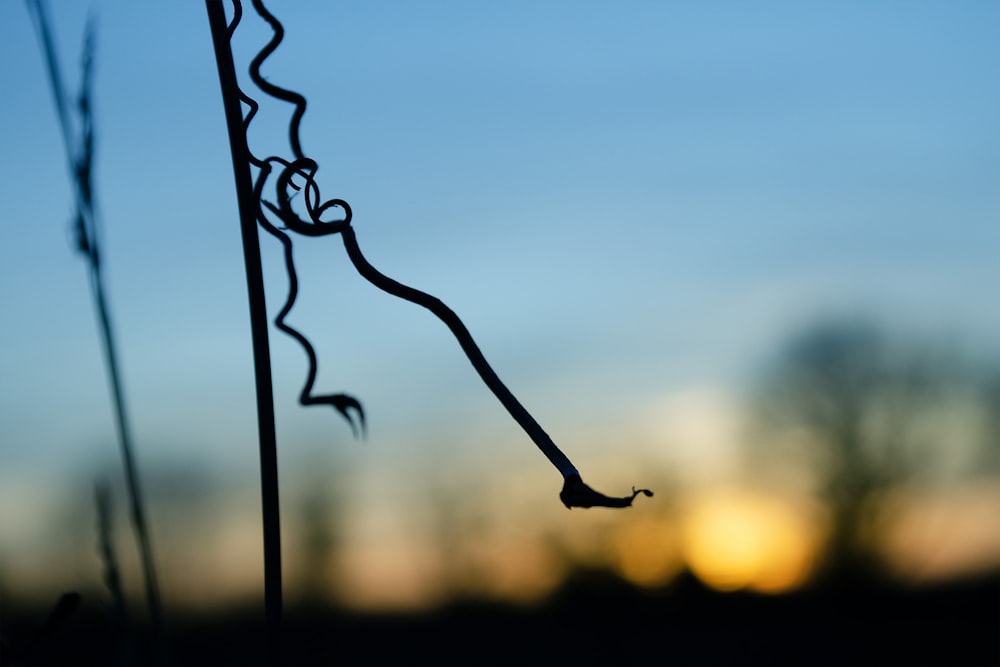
742 254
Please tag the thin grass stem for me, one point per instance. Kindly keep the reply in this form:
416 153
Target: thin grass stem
80 158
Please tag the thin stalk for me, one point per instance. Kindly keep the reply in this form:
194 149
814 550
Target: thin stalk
258 324
131 475
79 163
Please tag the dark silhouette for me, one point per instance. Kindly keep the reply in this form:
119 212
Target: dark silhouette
126 648
267 440
80 153
39 641
296 176
598 619
301 169
869 403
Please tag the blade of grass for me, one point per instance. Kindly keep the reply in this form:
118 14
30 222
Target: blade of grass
80 160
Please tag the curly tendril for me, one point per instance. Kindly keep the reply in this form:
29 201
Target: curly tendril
347 406
298 177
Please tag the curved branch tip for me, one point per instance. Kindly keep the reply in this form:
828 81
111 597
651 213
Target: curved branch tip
575 493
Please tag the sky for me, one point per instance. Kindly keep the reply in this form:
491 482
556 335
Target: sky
631 206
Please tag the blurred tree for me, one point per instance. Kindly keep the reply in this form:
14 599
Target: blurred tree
991 443
319 530
317 545
870 412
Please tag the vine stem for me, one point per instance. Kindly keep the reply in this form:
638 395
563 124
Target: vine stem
258 326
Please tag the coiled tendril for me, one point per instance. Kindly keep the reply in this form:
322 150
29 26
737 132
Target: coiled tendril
348 406
298 176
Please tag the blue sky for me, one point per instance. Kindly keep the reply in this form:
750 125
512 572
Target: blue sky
623 201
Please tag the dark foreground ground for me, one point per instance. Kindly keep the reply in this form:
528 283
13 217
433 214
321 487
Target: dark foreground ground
596 620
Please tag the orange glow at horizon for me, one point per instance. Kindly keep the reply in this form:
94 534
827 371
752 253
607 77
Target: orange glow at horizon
647 552
933 534
388 574
736 539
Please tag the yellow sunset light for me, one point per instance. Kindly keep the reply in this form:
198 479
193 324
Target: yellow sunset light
737 539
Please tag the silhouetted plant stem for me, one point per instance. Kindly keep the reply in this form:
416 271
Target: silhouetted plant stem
80 155
296 177
112 571
258 324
